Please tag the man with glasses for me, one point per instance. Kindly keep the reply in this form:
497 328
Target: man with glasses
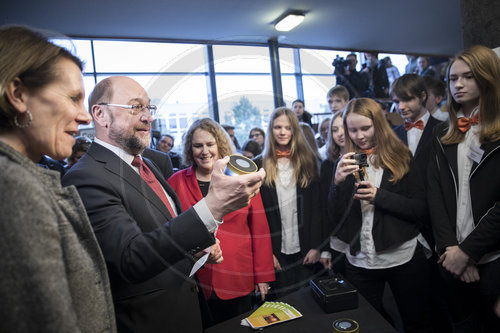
165 144
148 243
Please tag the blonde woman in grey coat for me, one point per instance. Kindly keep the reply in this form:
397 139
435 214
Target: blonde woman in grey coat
52 274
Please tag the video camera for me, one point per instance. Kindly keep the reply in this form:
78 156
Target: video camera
361 159
340 64
362 162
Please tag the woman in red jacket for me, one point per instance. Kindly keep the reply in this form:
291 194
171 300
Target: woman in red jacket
244 235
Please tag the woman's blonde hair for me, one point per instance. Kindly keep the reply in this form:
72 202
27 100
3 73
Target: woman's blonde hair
28 55
391 152
485 67
305 165
225 145
332 148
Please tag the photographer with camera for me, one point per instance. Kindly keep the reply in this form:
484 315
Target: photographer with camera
376 204
357 83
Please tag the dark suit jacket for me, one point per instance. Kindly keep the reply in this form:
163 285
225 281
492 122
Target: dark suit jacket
306 118
176 161
484 191
146 251
400 209
161 160
424 147
380 80
421 157
51 164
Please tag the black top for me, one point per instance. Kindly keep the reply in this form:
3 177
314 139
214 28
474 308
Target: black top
204 186
400 209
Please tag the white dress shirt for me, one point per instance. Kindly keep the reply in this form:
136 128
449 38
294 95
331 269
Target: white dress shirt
465 219
287 198
414 134
322 152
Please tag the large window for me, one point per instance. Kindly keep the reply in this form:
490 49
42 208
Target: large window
143 57
318 78
177 77
244 87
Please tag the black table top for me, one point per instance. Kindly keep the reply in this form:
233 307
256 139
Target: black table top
313 319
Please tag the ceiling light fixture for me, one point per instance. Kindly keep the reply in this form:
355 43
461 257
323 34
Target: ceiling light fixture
289 22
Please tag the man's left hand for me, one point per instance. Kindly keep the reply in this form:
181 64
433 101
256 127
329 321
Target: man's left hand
215 256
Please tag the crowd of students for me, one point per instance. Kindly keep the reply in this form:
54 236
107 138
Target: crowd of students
416 217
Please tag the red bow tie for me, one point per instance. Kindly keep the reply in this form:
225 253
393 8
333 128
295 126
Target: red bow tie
370 151
280 153
409 125
464 123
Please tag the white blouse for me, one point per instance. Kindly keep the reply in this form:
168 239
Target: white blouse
287 199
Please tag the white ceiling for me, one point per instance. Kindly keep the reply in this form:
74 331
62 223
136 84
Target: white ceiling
395 26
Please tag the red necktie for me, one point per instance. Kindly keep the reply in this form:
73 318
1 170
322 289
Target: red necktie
409 125
464 124
148 176
280 153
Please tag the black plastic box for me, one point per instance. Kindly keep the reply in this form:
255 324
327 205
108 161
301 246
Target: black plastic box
334 293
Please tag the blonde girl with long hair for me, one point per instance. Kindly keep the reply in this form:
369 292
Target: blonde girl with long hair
291 198
377 220
464 191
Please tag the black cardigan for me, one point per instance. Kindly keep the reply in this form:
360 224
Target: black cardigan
400 209
485 195
308 215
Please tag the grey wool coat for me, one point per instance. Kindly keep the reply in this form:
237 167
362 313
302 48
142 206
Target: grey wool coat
53 276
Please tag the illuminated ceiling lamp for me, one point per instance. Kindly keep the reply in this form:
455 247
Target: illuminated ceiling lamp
289 20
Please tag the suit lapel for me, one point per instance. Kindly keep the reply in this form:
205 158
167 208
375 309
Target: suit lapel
426 137
401 133
450 151
114 164
488 148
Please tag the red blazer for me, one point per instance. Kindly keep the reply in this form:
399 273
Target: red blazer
244 240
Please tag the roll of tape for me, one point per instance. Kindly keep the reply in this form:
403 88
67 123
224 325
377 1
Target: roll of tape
239 165
345 326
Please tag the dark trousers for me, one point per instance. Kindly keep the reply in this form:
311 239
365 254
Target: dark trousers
294 275
409 283
221 310
338 262
471 304
440 316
